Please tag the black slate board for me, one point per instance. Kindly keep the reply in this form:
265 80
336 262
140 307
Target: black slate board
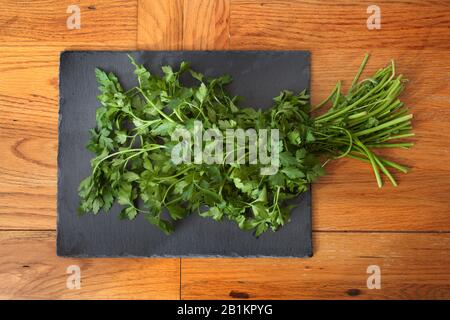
258 76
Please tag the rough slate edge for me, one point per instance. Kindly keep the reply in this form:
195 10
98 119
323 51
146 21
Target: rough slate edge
306 197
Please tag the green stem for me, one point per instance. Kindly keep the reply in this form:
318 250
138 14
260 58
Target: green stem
372 162
125 151
391 145
358 74
384 125
154 107
385 171
323 102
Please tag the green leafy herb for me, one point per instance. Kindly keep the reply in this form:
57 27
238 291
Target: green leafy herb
132 146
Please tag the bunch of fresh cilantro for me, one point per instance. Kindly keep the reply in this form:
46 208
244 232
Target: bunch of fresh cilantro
132 146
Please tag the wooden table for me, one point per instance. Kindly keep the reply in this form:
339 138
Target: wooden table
405 230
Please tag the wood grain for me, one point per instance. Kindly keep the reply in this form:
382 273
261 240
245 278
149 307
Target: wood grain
29 269
28 131
338 24
337 37
421 201
28 110
413 266
43 22
205 25
28 183
413 256
160 25
187 25
29 91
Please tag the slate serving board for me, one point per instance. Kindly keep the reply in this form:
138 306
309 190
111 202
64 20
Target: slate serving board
258 77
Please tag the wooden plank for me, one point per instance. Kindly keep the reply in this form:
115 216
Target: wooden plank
221 24
413 266
27 183
205 24
188 25
28 130
28 110
29 91
30 269
28 117
160 25
43 22
347 201
347 198
258 24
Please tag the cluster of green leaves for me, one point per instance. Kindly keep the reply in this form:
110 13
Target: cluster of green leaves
132 146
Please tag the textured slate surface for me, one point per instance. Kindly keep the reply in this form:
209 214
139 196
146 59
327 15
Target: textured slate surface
258 76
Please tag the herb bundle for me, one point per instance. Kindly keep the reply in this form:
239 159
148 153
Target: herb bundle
132 145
